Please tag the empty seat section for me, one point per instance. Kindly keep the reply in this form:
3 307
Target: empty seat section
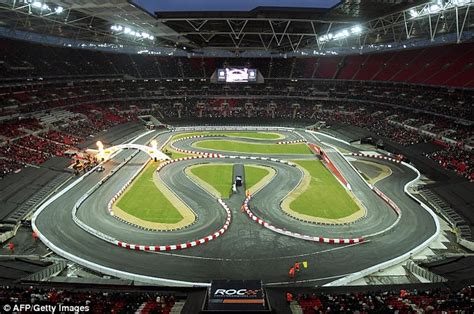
369 67
350 67
327 67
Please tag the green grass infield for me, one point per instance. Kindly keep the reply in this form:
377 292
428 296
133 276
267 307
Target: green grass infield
325 197
243 147
145 201
220 176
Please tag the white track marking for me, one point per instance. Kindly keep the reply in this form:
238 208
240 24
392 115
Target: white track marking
258 259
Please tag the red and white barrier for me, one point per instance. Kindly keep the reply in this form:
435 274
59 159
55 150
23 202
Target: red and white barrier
376 156
292 142
181 246
329 164
185 151
163 164
294 234
387 200
376 190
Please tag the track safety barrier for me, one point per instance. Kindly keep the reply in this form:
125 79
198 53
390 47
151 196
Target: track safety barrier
267 225
291 142
329 164
185 245
153 248
376 156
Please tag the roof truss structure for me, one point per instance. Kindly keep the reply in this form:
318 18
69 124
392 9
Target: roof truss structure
91 21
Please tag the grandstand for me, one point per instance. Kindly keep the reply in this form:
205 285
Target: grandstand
381 93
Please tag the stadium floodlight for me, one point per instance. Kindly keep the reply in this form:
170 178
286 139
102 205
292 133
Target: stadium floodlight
59 10
414 13
36 4
461 2
356 29
434 8
117 28
342 34
130 32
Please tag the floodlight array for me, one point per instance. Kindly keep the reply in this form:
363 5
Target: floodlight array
345 33
119 29
437 7
43 7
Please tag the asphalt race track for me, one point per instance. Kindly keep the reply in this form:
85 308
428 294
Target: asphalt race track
246 250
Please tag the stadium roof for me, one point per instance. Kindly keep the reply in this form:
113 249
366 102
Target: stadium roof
350 23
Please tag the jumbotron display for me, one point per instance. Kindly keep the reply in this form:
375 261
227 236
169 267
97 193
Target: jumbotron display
236 75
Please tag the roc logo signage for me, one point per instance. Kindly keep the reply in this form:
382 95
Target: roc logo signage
236 295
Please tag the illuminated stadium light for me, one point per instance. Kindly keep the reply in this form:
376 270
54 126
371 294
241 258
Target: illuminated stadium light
117 28
460 2
413 13
437 6
41 6
354 30
37 5
434 8
342 34
130 32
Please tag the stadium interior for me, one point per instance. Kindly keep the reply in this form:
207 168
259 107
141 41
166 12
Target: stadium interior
104 103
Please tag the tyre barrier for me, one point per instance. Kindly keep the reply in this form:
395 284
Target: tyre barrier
267 225
291 142
376 156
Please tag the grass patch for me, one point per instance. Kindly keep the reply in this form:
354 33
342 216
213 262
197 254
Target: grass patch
253 175
243 147
325 197
217 176
176 155
145 201
252 135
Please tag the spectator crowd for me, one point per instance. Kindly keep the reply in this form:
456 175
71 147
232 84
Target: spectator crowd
96 301
403 301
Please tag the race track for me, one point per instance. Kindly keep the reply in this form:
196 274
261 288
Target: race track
246 250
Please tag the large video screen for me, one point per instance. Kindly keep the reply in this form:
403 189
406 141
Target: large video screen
236 75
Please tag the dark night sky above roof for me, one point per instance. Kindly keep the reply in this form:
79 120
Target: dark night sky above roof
163 6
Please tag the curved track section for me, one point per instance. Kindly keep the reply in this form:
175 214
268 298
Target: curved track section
246 249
